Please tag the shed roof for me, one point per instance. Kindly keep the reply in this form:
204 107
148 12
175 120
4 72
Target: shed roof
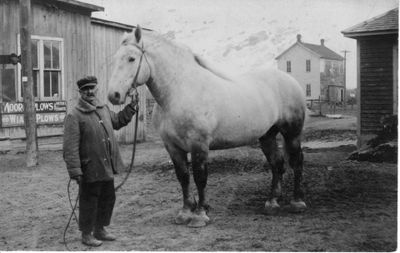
386 23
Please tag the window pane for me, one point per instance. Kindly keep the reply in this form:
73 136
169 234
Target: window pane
54 84
46 84
34 49
56 54
47 54
35 76
8 84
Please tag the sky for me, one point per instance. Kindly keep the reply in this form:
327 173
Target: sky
243 34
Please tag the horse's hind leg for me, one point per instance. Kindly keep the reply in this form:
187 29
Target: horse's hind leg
199 163
179 159
292 136
275 158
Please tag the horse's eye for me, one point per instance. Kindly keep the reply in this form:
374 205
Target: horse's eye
131 59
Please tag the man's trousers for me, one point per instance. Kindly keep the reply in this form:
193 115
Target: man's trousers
96 204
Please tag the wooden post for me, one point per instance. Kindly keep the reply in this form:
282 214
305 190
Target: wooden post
320 106
27 83
345 85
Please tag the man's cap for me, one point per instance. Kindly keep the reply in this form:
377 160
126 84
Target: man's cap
87 81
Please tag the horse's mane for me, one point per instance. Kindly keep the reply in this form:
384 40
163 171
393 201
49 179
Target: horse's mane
205 64
155 38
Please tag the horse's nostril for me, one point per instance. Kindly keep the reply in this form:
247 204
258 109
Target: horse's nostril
117 96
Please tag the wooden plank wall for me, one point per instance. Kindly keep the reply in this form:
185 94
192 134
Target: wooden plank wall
105 42
74 28
376 81
50 21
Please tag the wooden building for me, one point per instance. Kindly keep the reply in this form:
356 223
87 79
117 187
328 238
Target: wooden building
67 44
318 69
377 71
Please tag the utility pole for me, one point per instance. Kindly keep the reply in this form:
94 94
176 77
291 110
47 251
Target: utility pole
344 67
27 83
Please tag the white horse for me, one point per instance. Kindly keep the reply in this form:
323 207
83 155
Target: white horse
199 109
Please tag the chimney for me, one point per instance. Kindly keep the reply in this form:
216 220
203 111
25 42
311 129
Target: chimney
298 37
322 42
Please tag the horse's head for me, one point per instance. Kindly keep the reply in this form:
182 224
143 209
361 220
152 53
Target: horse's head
131 67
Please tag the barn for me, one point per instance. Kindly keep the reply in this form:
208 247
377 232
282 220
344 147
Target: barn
377 72
67 44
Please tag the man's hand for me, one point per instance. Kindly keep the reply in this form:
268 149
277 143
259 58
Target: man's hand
78 179
134 99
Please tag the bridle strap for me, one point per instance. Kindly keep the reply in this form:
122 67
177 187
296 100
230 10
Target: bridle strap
134 83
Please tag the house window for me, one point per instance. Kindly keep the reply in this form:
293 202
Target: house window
308 90
288 66
47 68
308 65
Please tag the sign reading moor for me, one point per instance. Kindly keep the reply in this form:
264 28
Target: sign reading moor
47 112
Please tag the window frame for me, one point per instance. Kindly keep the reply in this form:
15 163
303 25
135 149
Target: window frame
288 66
308 90
308 65
42 69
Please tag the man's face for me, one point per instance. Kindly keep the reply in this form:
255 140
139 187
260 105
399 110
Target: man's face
88 93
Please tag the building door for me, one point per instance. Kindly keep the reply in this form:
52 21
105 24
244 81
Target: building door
341 95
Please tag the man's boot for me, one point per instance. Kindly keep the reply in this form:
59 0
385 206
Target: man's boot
89 240
101 234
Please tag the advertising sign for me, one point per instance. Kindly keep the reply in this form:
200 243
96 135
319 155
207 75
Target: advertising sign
43 106
47 113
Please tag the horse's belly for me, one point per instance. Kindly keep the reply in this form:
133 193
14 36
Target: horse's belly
239 135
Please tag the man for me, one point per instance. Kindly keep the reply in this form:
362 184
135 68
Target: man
92 157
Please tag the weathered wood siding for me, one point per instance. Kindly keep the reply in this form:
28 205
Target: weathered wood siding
376 81
88 50
104 43
70 24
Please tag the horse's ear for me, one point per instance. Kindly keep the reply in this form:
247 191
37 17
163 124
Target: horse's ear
138 33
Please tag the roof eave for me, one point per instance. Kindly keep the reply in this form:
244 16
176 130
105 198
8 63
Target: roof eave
89 7
335 59
369 33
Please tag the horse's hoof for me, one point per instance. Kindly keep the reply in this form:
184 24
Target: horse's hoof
297 206
272 207
183 217
199 220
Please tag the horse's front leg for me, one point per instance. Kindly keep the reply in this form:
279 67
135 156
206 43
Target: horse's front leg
179 159
200 174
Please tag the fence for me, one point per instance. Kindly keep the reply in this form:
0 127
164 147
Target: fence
323 107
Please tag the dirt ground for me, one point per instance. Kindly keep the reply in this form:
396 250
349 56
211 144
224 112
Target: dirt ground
352 206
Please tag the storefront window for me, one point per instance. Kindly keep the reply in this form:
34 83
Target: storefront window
7 73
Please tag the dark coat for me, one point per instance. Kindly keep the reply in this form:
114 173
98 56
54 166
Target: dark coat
90 146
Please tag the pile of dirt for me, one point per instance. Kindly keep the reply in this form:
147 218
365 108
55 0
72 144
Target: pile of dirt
383 147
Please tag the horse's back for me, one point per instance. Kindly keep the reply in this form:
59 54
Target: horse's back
286 91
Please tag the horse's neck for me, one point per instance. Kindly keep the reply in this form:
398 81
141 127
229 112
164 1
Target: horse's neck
168 76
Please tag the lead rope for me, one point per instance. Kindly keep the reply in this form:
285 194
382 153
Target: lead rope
73 207
134 84
133 150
